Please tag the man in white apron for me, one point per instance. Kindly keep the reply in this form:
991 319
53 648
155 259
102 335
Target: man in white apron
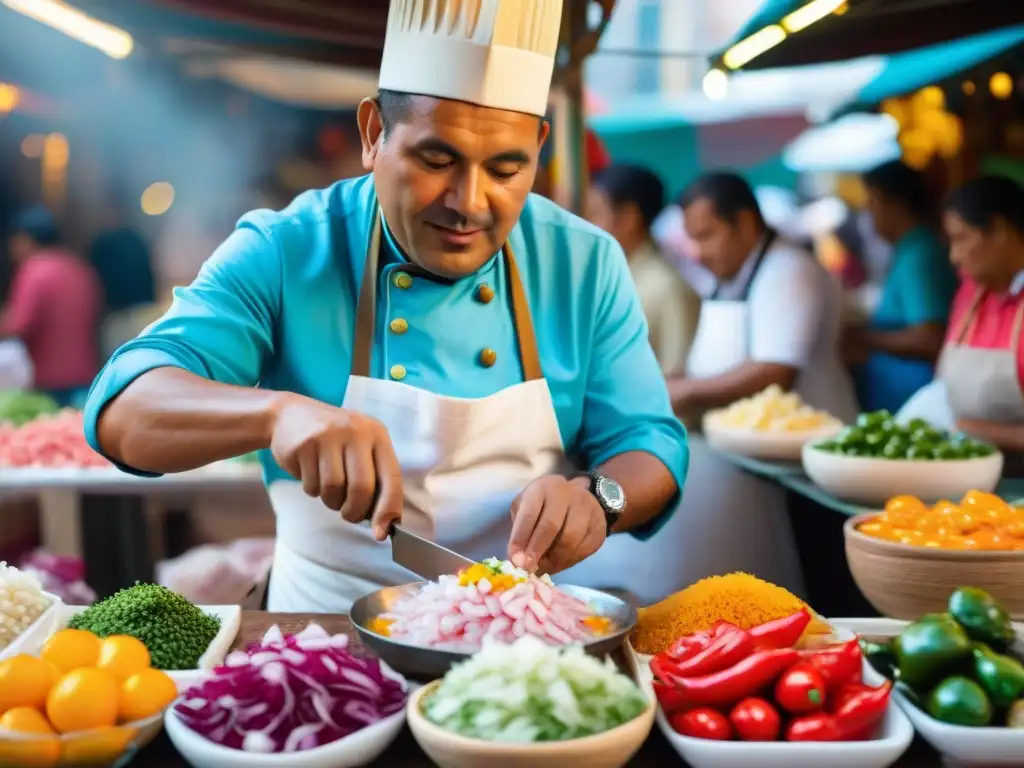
773 318
429 343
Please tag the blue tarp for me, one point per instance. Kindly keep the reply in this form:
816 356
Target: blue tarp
911 70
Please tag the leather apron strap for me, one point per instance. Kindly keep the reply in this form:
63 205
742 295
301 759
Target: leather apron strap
366 312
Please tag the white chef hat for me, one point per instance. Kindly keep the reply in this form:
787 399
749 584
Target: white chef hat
495 53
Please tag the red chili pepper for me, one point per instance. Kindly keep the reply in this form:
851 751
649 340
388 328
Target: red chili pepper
728 648
689 645
801 689
855 720
781 633
844 693
838 664
737 682
670 700
756 720
702 723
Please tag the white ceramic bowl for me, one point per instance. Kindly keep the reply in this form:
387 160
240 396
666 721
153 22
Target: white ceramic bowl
873 481
361 748
769 446
894 738
959 745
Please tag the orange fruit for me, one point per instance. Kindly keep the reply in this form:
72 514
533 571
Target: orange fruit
25 681
83 699
145 694
36 744
25 720
101 746
71 649
123 656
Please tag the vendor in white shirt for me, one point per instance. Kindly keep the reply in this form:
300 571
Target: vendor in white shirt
772 318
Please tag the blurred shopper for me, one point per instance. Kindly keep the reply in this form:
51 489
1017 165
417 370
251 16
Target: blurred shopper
981 369
53 307
894 355
772 319
123 261
624 200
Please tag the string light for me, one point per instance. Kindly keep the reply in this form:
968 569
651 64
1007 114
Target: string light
10 97
1001 85
114 42
157 198
716 85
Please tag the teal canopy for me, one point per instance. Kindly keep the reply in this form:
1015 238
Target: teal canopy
909 71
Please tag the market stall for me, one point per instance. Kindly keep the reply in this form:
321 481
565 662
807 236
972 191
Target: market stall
89 509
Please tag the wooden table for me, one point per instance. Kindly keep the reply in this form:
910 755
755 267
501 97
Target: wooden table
404 753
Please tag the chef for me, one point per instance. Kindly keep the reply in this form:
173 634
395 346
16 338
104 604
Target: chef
772 318
428 343
981 368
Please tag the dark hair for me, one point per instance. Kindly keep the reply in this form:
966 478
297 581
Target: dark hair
394 108
728 193
626 184
37 223
898 181
980 201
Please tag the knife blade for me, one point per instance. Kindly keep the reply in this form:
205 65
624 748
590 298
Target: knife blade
423 557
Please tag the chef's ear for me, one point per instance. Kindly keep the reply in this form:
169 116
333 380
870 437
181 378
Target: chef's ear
371 130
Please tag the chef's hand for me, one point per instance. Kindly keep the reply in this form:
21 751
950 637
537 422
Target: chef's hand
556 523
343 457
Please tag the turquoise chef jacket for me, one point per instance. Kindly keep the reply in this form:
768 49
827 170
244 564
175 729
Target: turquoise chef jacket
919 289
275 306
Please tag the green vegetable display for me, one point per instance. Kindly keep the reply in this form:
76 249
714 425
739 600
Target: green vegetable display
176 632
930 649
1001 677
959 701
877 435
19 407
957 665
981 617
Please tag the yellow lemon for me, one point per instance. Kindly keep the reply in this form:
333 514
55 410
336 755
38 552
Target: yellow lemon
25 681
123 656
71 649
83 699
145 694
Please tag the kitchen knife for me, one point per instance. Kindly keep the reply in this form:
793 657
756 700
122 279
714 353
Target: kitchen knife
423 557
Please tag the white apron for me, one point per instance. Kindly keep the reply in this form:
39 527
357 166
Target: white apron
463 462
728 520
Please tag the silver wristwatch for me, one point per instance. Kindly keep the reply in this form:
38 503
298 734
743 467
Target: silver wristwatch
610 496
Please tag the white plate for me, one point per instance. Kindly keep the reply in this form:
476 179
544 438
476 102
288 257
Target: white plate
35 634
230 620
873 481
893 740
361 748
769 446
959 745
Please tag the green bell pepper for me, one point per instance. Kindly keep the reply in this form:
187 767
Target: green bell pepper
881 657
982 617
959 701
928 650
1001 677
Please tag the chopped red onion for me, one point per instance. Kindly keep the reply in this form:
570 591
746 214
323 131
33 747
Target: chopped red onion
291 693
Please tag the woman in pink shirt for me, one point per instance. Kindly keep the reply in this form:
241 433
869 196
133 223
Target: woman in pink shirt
53 307
982 364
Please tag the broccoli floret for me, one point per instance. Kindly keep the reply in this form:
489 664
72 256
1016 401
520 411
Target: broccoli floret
176 632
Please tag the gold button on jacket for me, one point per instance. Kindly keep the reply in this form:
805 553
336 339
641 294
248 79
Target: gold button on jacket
398 325
397 372
488 357
484 293
402 280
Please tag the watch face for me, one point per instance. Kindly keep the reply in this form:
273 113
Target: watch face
611 493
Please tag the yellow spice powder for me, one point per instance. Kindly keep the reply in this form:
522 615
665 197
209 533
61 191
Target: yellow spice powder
739 598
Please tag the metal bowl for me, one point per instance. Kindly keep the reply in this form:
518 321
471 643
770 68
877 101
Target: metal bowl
426 664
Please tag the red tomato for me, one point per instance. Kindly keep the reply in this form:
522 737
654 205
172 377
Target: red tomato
702 723
801 689
756 720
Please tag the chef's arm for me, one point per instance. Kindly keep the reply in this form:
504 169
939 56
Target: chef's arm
922 341
646 483
628 431
1008 437
183 393
745 380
